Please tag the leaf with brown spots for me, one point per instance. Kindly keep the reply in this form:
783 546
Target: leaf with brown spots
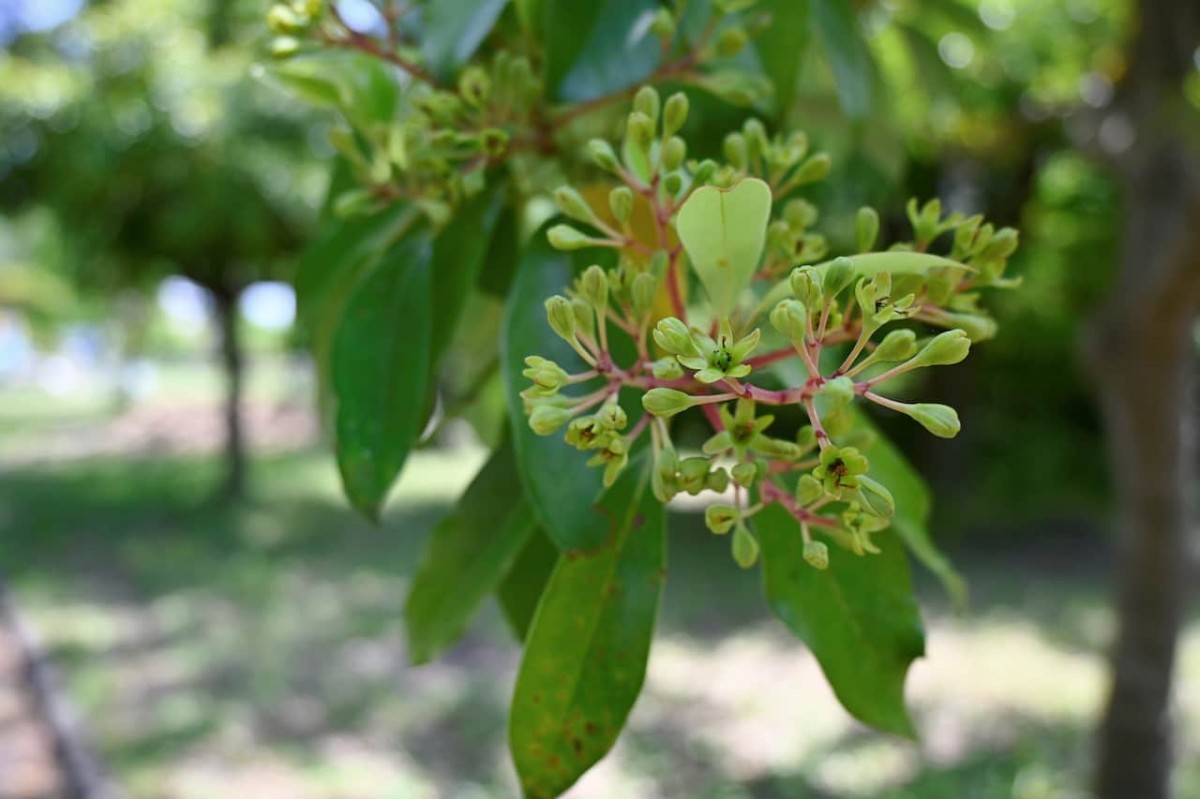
585 655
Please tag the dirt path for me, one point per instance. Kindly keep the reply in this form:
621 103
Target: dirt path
29 768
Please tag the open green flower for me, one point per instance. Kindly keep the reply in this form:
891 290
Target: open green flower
721 358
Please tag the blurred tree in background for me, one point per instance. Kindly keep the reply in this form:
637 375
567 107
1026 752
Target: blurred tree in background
138 125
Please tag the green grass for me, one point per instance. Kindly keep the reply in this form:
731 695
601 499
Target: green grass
218 651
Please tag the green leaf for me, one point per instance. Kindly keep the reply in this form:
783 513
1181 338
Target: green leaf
853 68
858 617
380 372
454 29
782 45
503 253
723 231
561 487
468 555
525 582
596 48
458 256
911 520
585 656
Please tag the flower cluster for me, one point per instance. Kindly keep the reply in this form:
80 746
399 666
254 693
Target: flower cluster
779 327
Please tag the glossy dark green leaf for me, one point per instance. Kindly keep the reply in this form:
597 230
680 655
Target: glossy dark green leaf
503 254
459 252
782 46
911 522
596 48
858 617
585 656
380 369
561 487
526 580
468 555
836 25
454 29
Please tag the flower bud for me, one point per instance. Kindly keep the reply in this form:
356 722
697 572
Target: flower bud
283 47
745 547
838 392
545 419
731 41
898 345
603 156
673 153
736 152
585 319
640 129
756 138
561 317
745 473
806 286
1003 244
571 203
647 102
866 228
788 318
941 420
806 438
674 113
674 337
666 369
815 168
620 202
816 554
717 480
704 171
944 349
720 519
593 288
612 415
474 86
283 20
643 292
673 183
809 489
565 237
839 275
875 498
663 25
545 373
665 402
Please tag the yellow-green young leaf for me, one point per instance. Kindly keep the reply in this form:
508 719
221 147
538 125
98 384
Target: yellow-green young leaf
467 557
723 231
858 616
380 368
585 655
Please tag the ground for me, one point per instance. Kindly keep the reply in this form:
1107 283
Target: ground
217 652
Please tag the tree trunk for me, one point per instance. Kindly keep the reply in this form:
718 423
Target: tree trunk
1142 352
232 362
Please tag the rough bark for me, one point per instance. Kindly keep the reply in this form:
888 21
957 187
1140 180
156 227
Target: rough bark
233 365
1142 352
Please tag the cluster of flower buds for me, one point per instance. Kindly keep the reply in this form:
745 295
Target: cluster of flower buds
855 325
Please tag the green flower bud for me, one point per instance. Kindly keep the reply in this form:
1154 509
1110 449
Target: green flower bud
838 392
775 448
745 547
545 419
643 293
757 142
666 402
585 318
283 47
603 156
839 275
666 369
663 481
806 438
806 286
745 474
704 172
545 373
720 519
284 21
493 142
561 317
731 41
898 345
809 489
593 288
736 151
866 228
875 498
718 443
620 202
673 183
816 554
565 237
717 480
674 337
640 129
612 416
674 113
663 25
1003 244
646 101
571 203
837 421
673 153
941 420
815 168
944 349
788 318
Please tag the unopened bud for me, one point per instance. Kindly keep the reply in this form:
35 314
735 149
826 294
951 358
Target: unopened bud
717 480
838 392
666 369
745 547
674 113
643 292
816 554
593 287
545 373
866 228
545 419
745 473
672 183
603 155
663 25
806 286
561 317
898 345
665 402
647 102
620 202
475 86
571 203
814 169
565 237
788 317
735 150
704 172
809 489
731 41
944 349
875 498
838 276
673 153
941 420
640 129
674 337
